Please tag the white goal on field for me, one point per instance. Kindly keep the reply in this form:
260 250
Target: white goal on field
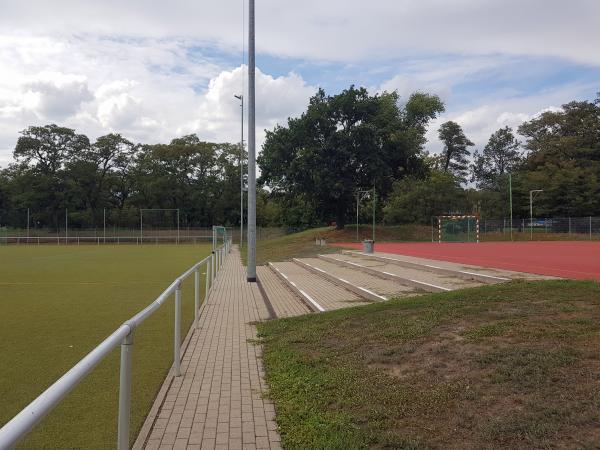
458 228
159 224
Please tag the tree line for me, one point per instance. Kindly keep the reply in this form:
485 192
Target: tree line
354 141
312 167
56 169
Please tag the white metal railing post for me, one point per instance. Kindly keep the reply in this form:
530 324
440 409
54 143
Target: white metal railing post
208 278
213 267
125 392
177 337
196 296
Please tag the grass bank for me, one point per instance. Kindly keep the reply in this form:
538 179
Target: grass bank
302 244
506 366
59 302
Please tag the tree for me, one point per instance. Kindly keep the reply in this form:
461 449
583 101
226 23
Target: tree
345 142
564 158
456 152
418 200
41 156
96 173
500 156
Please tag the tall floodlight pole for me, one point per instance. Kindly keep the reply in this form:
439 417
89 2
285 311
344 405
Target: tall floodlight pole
511 208
241 98
251 276
374 200
531 211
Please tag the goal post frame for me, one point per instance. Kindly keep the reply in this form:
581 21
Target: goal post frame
156 209
458 217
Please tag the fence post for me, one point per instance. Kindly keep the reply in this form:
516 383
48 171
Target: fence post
177 338
590 228
569 225
125 392
213 273
196 295
207 280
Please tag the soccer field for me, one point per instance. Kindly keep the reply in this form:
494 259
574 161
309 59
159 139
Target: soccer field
57 303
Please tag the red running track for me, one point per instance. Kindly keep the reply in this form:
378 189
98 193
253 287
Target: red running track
578 260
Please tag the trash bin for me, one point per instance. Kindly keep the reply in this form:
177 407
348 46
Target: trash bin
368 246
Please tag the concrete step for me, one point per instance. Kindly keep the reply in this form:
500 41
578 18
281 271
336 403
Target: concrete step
363 284
416 278
284 301
317 291
488 276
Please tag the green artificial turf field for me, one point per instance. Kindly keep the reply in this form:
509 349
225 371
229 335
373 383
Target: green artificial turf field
57 303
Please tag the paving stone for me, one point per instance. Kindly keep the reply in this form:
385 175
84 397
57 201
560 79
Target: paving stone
218 401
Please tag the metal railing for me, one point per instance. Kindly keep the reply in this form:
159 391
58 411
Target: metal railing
31 415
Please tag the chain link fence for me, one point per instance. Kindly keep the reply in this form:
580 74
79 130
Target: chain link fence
567 228
111 227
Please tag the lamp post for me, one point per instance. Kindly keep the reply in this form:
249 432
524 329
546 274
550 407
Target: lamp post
241 99
251 274
533 191
511 208
360 194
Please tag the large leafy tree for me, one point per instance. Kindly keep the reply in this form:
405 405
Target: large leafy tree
97 171
343 143
200 177
418 200
41 155
456 150
500 156
564 159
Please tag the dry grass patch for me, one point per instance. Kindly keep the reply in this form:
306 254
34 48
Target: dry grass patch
506 366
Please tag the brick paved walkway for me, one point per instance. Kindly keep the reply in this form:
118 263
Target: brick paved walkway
218 401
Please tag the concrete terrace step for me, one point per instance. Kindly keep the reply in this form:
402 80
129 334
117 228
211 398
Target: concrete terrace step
285 302
486 272
417 278
383 289
488 276
322 294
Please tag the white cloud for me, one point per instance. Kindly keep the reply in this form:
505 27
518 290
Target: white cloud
136 67
148 90
57 96
341 30
496 112
218 114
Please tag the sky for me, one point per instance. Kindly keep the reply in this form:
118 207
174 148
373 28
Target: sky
155 70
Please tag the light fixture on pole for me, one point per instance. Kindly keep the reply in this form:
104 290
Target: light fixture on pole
241 99
511 205
251 274
361 194
534 191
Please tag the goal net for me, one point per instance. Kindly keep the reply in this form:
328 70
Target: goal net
159 225
458 228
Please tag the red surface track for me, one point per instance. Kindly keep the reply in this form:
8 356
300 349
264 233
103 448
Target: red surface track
578 260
